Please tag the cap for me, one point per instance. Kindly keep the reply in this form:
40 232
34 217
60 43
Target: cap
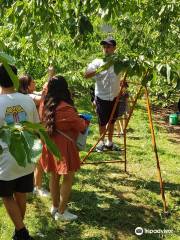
110 41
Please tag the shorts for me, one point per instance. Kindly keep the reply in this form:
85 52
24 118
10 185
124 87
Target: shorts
22 184
104 109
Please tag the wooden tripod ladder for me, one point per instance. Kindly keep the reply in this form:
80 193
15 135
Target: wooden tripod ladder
125 137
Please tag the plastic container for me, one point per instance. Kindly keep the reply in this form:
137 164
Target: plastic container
82 137
86 116
81 140
173 119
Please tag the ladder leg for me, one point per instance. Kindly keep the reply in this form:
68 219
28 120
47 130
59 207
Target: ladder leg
155 151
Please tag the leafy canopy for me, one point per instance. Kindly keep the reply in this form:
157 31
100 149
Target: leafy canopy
66 33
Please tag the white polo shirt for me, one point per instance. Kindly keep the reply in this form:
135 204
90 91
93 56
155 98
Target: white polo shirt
107 83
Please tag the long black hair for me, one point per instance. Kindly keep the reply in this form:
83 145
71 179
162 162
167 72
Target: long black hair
57 91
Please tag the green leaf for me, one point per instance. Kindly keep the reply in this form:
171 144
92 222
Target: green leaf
27 146
103 3
120 66
154 76
85 25
2 45
5 57
16 148
104 67
24 143
147 78
49 143
41 131
163 71
32 126
162 10
36 150
33 146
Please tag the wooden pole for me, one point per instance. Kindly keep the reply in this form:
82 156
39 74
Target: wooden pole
125 127
110 161
125 156
155 150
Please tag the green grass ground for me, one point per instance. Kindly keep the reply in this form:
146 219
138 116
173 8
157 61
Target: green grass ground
110 203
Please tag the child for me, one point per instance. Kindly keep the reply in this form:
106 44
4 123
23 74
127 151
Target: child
123 109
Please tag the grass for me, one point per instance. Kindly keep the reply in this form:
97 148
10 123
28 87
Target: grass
109 202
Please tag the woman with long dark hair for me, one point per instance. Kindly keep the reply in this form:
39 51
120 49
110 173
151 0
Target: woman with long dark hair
63 124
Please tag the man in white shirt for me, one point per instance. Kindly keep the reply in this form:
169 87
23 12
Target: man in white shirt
15 181
106 90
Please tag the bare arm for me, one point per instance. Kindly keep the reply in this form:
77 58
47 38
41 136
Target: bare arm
89 74
51 71
37 100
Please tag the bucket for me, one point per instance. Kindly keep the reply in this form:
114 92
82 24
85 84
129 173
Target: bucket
173 119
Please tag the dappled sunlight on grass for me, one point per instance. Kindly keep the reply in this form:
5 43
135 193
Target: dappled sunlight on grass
110 203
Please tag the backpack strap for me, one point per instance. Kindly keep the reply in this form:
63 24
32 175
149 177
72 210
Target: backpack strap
65 135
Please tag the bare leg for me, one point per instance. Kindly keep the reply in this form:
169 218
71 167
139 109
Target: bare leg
111 131
20 199
122 125
38 175
65 191
119 126
14 212
125 119
101 130
55 189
